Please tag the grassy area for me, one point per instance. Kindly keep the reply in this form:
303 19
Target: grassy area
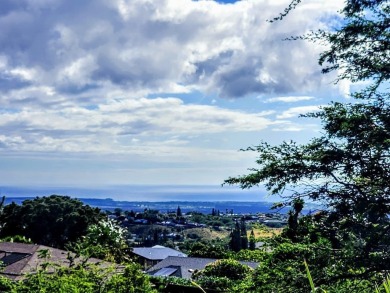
207 233
265 232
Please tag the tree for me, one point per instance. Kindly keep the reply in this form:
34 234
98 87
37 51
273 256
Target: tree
298 226
238 237
152 216
243 235
178 212
54 220
105 240
118 212
91 279
359 48
346 169
252 241
235 238
213 212
223 275
208 249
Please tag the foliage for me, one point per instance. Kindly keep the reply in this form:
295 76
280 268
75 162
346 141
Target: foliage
385 285
224 274
105 240
256 255
243 235
163 283
208 249
235 239
219 284
358 48
17 239
301 228
54 220
213 220
6 285
239 237
178 212
252 241
91 279
131 281
282 269
152 216
228 268
346 169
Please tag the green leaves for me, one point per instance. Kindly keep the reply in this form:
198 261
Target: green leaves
346 168
223 275
104 240
54 220
91 279
313 289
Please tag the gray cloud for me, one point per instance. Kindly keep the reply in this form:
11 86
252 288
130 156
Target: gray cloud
74 74
9 82
155 46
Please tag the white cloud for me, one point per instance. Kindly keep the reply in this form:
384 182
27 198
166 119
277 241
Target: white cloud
78 77
110 127
290 99
164 45
296 111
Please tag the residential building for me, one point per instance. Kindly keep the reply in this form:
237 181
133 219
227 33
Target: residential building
149 256
183 267
19 259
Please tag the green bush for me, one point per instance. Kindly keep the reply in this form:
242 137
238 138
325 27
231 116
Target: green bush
90 279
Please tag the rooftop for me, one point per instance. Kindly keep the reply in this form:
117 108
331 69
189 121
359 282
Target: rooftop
183 267
19 259
157 252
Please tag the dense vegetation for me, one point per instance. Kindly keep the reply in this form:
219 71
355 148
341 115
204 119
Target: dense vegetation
86 279
346 169
54 220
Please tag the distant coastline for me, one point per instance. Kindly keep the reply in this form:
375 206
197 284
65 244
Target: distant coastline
159 197
237 207
152 193
166 206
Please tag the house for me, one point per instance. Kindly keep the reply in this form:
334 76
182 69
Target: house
183 267
19 259
149 256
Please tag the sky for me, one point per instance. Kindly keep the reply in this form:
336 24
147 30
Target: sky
144 92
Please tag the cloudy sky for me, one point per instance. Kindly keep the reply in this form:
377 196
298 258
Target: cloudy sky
111 92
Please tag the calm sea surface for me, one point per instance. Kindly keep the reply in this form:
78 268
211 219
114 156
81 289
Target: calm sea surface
163 198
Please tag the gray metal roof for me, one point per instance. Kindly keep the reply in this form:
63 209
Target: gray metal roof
165 272
188 265
157 252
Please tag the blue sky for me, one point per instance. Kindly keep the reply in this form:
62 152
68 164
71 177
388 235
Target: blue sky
111 92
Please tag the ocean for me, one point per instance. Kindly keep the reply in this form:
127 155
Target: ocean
152 193
163 198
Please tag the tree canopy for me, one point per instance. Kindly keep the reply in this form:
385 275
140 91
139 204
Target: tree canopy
358 48
89 279
54 220
346 168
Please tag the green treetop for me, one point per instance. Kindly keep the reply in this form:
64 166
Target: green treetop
347 168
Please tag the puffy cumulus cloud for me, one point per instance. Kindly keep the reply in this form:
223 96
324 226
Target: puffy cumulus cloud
72 74
159 46
121 126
